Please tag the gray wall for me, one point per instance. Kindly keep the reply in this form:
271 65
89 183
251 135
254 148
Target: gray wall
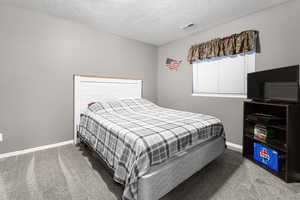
280 46
38 57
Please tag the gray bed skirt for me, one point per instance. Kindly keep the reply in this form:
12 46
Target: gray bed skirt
163 178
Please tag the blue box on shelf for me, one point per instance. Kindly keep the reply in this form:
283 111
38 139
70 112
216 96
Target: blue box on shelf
267 156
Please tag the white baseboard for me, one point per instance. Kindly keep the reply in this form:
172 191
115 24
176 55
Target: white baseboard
230 145
234 147
16 153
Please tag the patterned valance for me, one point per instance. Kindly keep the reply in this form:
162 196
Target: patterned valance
235 44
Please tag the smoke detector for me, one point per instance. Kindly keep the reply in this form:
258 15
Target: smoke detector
189 25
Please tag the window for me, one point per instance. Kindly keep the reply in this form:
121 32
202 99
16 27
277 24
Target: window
223 76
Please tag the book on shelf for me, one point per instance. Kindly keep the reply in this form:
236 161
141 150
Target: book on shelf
260 132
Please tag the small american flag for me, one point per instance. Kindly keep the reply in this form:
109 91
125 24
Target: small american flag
173 64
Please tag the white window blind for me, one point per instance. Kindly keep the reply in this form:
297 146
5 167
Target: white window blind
225 76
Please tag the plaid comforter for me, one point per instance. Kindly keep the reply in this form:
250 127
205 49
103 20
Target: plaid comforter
131 135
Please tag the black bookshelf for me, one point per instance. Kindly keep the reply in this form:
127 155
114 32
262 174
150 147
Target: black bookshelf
287 136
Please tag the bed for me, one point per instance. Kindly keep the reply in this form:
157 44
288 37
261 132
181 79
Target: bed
150 149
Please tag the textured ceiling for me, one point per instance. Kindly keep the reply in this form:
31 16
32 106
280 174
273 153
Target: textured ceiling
151 21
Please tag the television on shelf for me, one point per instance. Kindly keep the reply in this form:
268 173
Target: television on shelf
278 85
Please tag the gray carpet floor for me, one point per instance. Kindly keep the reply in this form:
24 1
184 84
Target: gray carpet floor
71 172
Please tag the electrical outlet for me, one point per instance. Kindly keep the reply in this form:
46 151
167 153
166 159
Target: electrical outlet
1 137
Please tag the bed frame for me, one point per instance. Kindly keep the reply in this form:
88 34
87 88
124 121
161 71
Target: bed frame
162 178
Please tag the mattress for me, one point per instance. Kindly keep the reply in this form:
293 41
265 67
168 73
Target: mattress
133 135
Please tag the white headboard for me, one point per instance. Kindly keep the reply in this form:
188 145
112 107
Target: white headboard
88 89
